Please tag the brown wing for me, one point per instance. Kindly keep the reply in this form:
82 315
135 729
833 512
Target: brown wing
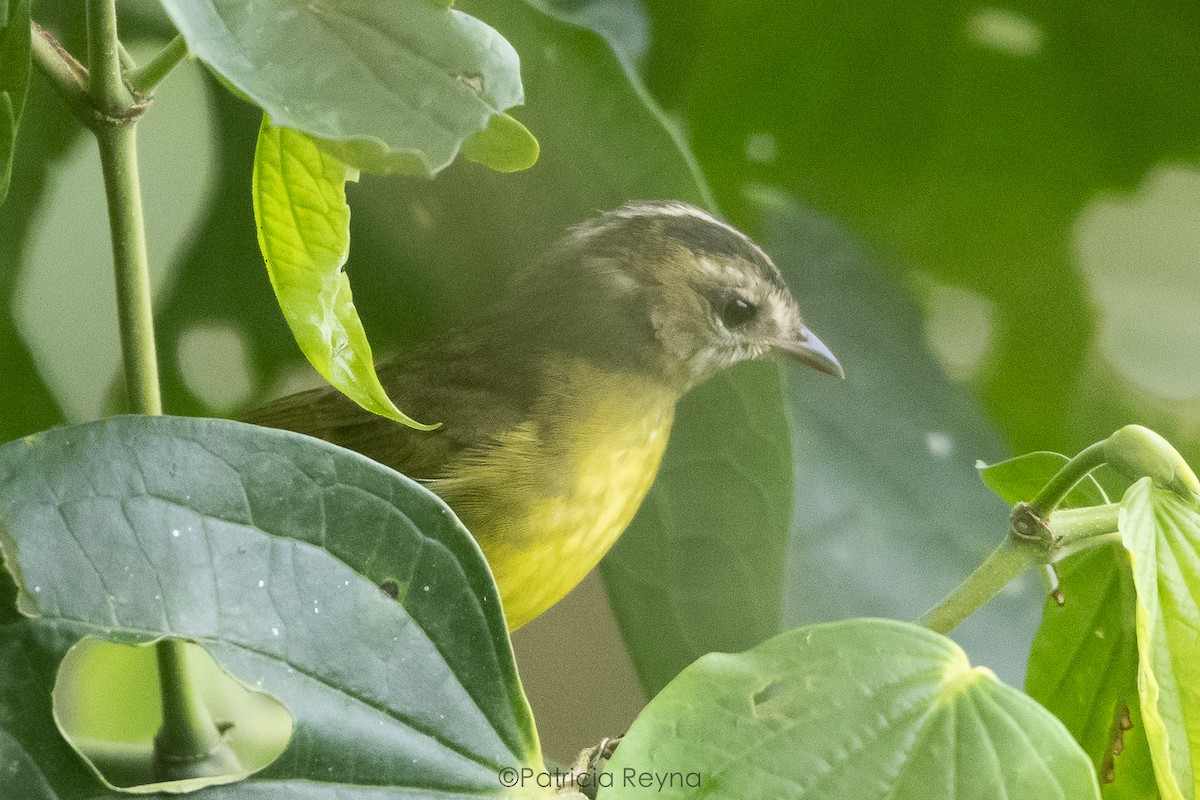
459 381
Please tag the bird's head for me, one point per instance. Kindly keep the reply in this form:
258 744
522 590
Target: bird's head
688 293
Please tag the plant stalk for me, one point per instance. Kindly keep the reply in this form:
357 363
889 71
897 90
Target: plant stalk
118 160
105 85
1006 562
1073 525
188 744
188 729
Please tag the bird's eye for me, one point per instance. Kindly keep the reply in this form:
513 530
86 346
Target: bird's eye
736 312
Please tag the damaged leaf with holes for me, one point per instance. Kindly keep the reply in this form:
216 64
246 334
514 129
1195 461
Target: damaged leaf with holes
268 550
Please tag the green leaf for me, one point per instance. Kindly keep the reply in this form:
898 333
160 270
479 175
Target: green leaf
1019 480
269 550
304 234
1161 532
395 86
1083 667
14 80
1083 662
887 516
860 710
505 145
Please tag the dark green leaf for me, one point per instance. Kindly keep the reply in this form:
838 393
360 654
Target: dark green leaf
702 569
855 710
393 86
1083 667
269 549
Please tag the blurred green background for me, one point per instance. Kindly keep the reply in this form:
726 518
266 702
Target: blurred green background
989 211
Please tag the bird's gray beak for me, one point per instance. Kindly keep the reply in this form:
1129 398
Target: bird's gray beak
806 348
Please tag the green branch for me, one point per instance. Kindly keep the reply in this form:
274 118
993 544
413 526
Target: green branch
106 86
145 78
1077 529
1041 534
1067 478
189 744
118 161
1067 532
1006 562
63 71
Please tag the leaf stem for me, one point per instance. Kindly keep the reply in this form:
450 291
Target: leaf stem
1006 562
127 62
1074 525
145 78
1066 478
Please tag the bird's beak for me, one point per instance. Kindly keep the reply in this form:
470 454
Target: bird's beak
806 348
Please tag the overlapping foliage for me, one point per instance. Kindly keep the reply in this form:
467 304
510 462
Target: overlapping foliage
964 145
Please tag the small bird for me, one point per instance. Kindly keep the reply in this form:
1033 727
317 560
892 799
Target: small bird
556 404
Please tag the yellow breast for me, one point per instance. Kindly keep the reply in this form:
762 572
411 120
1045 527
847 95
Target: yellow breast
549 498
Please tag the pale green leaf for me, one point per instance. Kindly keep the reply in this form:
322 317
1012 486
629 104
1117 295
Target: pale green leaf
855 710
505 145
1161 531
304 234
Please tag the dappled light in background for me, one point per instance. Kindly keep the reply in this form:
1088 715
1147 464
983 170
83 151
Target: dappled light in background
1140 256
958 326
214 360
1005 31
64 303
761 148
